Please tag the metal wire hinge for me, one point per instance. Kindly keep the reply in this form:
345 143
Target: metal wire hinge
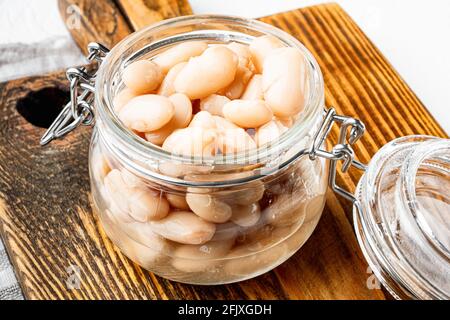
79 110
341 151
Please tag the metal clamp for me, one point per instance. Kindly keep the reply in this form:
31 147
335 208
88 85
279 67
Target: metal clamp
79 110
341 151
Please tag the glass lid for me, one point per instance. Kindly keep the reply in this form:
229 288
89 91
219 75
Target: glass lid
403 218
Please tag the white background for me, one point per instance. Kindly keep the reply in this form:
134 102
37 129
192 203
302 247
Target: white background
413 34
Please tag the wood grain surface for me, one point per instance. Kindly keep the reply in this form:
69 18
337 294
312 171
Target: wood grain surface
49 228
141 13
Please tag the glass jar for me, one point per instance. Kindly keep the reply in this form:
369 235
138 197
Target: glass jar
231 217
402 217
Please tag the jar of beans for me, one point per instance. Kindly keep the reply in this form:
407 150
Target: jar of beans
208 158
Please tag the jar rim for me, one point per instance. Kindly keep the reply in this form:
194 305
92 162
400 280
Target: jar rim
123 137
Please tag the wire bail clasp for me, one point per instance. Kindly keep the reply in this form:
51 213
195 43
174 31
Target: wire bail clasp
342 151
79 110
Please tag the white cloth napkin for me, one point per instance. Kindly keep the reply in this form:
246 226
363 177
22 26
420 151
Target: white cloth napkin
18 59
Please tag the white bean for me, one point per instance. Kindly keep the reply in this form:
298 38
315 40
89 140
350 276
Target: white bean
147 112
246 216
234 141
184 227
215 69
179 53
181 118
145 256
149 250
223 124
237 87
143 233
243 53
254 90
269 132
167 88
131 180
243 73
261 47
208 207
253 192
284 79
247 113
159 136
204 120
192 141
146 205
286 122
99 165
177 201
200 258
142 76
133 198
116 195
214 104
122 98
183 109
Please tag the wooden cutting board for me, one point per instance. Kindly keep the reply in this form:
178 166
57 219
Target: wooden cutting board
52 235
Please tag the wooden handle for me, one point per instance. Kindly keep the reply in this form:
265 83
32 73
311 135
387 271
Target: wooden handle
91 20
108 23
141 13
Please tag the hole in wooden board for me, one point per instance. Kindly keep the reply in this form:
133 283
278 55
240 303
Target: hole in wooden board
41 107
